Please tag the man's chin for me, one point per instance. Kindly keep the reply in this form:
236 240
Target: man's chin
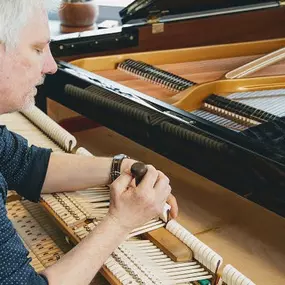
28 105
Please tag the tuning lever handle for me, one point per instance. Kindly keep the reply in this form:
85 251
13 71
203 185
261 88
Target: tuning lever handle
138 171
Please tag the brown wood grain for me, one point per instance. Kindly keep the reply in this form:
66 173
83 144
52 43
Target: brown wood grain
170 245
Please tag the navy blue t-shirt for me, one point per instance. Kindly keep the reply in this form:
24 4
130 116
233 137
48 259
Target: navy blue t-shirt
22 168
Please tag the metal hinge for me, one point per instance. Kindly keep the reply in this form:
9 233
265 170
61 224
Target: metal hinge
157 28
154 20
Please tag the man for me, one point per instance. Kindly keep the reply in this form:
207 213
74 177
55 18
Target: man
24 59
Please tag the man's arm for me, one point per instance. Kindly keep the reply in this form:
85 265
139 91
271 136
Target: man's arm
130 207
81 264
69 172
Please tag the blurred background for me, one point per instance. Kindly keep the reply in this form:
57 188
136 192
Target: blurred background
108 14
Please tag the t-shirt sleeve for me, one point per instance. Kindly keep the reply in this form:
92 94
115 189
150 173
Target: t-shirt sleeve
24 168
15 265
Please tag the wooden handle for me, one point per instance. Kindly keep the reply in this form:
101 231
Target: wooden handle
138 171
257 64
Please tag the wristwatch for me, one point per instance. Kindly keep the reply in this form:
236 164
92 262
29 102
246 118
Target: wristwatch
116 166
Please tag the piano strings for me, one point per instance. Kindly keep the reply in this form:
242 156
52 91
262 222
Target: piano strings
241 110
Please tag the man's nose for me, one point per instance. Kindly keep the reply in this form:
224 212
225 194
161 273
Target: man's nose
50 66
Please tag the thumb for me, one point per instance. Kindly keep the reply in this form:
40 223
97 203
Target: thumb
122 182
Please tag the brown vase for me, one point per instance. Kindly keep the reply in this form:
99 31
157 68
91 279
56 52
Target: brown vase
78 16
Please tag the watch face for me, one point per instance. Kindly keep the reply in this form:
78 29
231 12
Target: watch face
120 156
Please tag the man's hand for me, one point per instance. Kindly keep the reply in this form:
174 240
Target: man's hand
127 164
131 205
171 200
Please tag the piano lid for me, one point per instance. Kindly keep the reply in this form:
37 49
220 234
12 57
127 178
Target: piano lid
147 10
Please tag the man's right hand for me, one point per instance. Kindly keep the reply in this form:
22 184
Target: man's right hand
131 206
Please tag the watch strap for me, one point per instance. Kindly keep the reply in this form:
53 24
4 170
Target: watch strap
116 166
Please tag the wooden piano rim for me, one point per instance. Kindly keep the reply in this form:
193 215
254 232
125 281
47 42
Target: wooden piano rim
94 64
104 270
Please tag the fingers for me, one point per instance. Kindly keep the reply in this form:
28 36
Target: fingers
162 190
122 182
149 179
162 176
153 179
171 200
162 186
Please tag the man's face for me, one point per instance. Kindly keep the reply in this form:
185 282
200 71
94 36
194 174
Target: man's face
23 68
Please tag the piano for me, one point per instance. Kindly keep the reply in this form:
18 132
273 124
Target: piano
169 121
204 155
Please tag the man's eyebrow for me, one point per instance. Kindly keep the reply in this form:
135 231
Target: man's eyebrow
46 42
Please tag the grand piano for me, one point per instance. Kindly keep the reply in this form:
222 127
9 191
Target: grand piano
247 160
173 95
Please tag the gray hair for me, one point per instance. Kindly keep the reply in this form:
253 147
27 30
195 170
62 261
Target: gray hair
15 14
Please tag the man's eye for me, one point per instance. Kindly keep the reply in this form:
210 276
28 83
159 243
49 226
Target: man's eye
39 51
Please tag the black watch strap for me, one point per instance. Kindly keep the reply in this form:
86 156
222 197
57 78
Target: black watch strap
116 166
